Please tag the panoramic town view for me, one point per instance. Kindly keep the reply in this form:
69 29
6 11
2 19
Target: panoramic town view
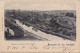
40 25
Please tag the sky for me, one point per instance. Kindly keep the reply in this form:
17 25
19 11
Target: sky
40 5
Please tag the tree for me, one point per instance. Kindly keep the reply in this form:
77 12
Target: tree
69 14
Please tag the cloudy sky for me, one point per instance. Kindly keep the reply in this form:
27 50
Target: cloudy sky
40 5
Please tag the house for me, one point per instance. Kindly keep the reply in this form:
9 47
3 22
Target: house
47 20
13 29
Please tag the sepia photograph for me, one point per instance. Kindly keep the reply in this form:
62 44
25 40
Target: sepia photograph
22 22
40 26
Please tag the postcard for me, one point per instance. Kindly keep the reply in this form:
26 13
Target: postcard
39 26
